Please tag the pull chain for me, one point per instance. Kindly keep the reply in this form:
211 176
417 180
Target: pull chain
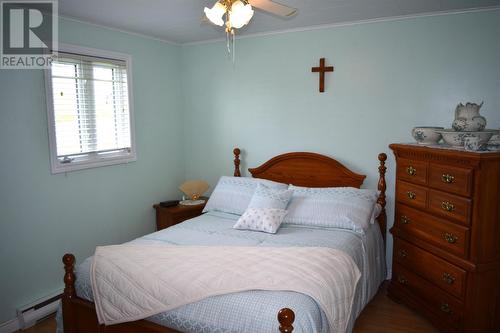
228 34
230 43
230 38
234 46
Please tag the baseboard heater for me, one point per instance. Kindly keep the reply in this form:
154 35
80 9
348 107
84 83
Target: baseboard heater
30 314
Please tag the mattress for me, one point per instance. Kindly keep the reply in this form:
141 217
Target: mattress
255 311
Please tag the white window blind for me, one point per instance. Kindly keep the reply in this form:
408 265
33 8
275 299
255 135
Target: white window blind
90 109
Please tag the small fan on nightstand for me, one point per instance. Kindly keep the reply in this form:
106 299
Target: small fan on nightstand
193 190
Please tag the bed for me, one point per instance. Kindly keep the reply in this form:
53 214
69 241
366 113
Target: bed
254 310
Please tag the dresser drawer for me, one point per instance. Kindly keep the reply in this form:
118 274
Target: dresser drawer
412 171
436 270
411 194
451 179
444 306
450 236
450 206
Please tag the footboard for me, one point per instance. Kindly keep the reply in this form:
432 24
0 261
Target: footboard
79 315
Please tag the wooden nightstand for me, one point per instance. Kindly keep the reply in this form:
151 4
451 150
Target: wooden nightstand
169 216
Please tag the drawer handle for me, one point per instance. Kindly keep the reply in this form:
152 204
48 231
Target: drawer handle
447 178
411 171
402 279
448 278
411 195
403 254
405 219
447 206
445 307
450 238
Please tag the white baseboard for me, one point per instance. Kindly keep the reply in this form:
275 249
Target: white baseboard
29 314
29 318
9 326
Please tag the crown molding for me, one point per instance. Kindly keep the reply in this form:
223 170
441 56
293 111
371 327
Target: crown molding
349 23
128 32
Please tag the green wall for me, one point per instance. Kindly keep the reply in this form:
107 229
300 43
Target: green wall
42 216
192 106
389 77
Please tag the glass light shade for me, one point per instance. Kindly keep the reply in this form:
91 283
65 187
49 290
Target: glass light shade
215 13
240 14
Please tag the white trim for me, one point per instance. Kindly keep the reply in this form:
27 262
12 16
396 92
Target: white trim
346 24
13 325
138 34
9 326
57 167
30 317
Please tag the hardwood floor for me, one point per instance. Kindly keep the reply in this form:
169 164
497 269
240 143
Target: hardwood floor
381 315
384 315
46 326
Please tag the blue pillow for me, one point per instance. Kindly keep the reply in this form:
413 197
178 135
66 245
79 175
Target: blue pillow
337 207
233 194
266 197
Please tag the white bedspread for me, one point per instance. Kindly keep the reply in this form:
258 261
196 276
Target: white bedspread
134 281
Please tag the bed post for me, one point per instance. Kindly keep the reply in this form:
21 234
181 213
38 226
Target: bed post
236 152
69 293
286 318
382 218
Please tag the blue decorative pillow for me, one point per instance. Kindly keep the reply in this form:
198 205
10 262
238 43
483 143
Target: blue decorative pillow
266 197
261 219
233 194
338 207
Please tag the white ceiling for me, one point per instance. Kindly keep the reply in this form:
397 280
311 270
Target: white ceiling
181 20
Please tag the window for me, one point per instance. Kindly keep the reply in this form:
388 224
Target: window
89 109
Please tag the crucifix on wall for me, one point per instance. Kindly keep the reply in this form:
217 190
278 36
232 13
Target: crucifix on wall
322 70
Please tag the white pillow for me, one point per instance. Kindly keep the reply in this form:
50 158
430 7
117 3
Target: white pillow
266 197
339 207
233 194
261 219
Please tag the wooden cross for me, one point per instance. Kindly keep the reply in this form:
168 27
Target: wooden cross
322 69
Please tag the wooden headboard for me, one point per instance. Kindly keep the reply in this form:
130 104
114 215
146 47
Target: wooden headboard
315 170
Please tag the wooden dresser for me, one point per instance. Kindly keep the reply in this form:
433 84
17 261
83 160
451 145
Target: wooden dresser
446 258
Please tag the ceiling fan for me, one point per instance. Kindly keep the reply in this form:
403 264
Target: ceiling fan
239 12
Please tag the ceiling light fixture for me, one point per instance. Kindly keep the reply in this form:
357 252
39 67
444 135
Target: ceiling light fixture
238 13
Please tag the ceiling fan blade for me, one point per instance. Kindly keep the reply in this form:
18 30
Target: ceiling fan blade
273 7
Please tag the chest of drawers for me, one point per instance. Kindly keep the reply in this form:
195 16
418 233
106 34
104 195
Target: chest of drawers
446 254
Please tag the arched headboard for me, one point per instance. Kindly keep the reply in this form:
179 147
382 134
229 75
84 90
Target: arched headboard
307 169
315 170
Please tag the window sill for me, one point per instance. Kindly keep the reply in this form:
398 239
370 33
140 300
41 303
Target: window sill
58 167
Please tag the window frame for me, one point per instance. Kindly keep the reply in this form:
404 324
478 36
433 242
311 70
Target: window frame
91 160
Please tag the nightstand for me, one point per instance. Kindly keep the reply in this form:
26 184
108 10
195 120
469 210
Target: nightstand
169 216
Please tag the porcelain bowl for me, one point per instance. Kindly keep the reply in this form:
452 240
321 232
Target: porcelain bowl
495 139
426 135
456 139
